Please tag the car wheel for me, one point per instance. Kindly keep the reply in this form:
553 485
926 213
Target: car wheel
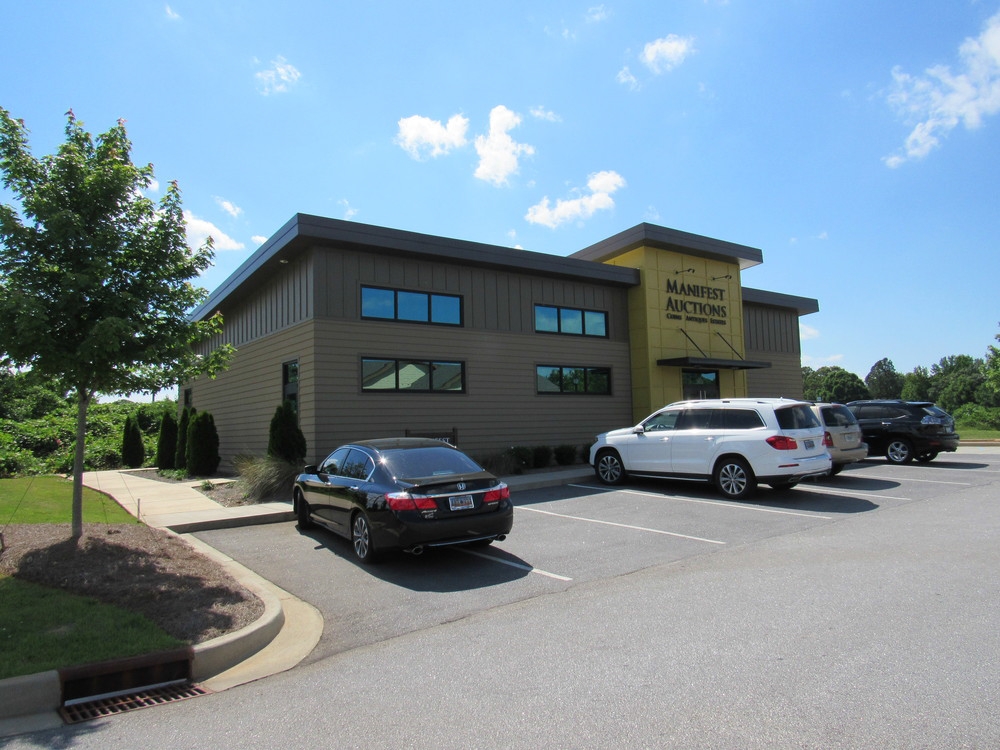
836 469
734 478
899 451
927 457
783 486
361 538
609 467
304 521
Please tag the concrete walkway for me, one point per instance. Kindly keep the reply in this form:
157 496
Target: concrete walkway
284 635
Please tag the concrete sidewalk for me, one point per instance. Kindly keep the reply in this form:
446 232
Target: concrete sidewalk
285 634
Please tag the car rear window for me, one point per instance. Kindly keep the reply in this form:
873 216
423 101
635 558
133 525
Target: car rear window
428 462
796 417
837 415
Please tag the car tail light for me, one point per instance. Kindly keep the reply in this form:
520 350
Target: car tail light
498 493
782 443
827 440
406 501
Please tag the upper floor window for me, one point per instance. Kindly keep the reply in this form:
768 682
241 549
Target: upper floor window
571 321
411 307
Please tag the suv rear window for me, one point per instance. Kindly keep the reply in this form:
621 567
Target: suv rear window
838 416
796 417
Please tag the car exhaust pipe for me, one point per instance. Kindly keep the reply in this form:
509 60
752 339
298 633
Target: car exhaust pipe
416 551
501 537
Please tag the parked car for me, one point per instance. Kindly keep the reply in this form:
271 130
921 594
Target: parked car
734 443
843 435
905 430
403 494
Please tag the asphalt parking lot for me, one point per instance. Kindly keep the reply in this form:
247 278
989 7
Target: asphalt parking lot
574 535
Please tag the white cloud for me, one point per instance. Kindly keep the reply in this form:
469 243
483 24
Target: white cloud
601 185
626 78
277 78
663 55
229 207
940 99
498 152
806 333
258 239
172 14
541 113
596 14
419 135
200 229
349 211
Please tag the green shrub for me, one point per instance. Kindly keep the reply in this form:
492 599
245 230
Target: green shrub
133 450
973 416
180 458
166 442
566 455
521 458
202 445
541 456
285 439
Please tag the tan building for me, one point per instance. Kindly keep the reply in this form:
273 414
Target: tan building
377 332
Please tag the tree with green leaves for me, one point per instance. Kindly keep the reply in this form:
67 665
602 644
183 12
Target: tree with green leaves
991 368
96 279
956 380
839 386
180 457
917 385
883 381
202 445
166 442
133 449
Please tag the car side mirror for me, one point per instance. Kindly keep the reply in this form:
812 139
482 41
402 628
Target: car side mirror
309 469
638 429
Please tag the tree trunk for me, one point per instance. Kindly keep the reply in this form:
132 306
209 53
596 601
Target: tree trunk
83 399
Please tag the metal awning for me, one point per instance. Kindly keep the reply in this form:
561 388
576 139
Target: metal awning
712 363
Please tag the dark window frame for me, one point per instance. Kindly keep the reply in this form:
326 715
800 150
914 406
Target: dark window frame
431 363
560 317
588 372
430 307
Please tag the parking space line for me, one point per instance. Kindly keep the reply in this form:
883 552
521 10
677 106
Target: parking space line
866 475
620 525
858 493
513 564
737 506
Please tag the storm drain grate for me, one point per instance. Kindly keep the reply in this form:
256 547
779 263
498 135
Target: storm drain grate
102 707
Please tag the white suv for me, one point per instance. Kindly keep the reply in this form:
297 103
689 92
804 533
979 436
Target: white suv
734 443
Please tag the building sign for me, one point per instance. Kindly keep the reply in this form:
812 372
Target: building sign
696 303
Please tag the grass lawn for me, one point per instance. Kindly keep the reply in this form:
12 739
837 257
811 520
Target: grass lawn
43 628
49 499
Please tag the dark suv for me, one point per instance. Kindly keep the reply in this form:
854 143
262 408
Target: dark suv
905 430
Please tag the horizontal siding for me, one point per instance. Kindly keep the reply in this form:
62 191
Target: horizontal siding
772 335
500 407
243 399
782 378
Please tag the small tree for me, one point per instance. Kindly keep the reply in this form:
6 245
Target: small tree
202 445
180 457
95 279
166 443
285 440
841 386
133 450
917 385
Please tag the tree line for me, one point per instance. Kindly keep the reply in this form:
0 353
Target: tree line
966 387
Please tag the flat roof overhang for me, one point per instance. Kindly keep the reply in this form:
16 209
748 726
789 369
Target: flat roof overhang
651 235
712 363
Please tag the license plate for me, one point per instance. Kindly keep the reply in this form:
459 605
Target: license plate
810 444
461 502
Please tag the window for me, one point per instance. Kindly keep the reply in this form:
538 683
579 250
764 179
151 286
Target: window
412 375
699 384
410 307
290 384
559 379
570 321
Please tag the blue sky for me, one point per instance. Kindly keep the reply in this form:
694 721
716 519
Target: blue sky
854 142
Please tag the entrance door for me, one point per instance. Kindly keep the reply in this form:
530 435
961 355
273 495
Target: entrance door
701 384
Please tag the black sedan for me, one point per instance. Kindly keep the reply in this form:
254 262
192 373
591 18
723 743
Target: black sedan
403 494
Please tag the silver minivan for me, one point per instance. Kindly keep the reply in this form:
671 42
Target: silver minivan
843 435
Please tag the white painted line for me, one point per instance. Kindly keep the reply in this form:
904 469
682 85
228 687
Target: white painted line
857 493
721 504
514 564
909 479
620 525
